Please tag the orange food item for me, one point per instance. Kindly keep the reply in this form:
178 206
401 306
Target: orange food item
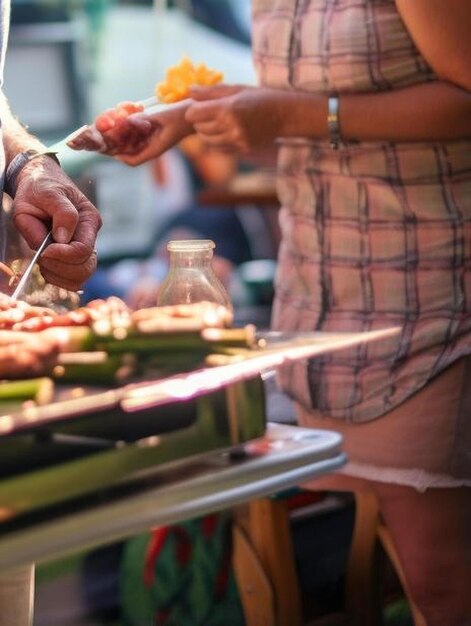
180 78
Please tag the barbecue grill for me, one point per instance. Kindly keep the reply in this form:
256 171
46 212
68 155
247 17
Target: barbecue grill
96 464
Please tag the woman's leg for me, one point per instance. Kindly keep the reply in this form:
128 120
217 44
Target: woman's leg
16 596
432 535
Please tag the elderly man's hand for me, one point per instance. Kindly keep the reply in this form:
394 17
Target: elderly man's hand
46 197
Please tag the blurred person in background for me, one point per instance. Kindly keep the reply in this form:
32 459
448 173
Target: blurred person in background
43 197
369 103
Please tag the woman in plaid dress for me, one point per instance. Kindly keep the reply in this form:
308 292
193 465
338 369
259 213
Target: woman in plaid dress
376 232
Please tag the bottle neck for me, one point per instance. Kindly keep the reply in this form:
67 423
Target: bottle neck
190 259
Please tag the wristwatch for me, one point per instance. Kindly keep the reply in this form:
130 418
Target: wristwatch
17 164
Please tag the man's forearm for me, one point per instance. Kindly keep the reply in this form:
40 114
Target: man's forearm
16 137
4 32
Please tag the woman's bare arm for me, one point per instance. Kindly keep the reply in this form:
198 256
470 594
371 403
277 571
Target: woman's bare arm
442 33
249 119
255 117
439 110
435 111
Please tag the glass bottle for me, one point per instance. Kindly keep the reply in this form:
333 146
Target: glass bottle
191 277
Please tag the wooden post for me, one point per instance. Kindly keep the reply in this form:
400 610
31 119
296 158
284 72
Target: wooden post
270 535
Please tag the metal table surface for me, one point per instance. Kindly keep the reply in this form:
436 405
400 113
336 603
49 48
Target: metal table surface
285 457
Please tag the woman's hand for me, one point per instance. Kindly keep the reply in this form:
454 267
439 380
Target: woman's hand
168 128
128 135
46 197
241 119
138 137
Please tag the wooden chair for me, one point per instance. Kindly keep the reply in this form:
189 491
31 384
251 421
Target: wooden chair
264 564
266 573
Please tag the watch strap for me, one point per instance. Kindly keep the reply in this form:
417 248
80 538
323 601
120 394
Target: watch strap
17 164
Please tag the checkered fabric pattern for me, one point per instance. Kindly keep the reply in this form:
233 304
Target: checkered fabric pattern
375 234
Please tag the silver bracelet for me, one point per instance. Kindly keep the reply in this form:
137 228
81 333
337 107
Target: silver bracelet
17 164
333 122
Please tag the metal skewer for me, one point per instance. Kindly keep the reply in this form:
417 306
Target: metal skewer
27 273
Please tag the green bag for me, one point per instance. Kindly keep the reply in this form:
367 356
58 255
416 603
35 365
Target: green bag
181 575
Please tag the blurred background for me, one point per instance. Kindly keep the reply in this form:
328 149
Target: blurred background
69 60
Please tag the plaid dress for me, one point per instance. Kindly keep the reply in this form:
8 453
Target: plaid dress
374 234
